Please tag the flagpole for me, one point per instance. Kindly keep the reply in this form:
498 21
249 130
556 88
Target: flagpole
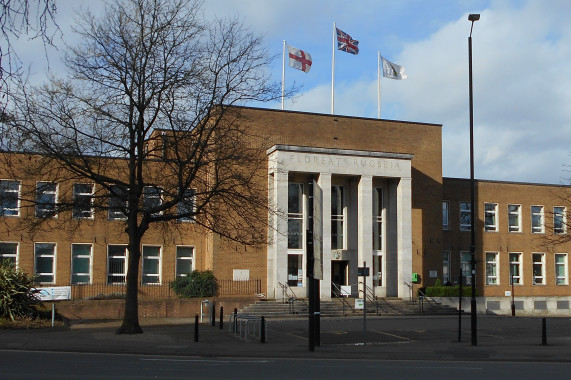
378 84
283 73
333 72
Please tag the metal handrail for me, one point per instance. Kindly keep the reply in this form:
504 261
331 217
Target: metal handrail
337 291
370 294
286 297
410 290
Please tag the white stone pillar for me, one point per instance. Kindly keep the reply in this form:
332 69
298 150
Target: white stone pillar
277 252
325 183
404 226
365 226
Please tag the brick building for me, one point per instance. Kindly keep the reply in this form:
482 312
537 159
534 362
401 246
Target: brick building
384 204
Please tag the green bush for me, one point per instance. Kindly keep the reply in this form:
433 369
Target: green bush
17 293
437 282
448 291
196 284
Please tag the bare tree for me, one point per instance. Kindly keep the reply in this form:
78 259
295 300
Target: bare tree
18 18
148 113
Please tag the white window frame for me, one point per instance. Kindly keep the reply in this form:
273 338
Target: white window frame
114 203
13 212
517 279
538 264
146 277
446 255
10 256
124 257
492 268
378 221
42 209
335 218
187 205
561 280
517 213
297 217
445 215
466 212
537 213
51 255
560 212
180 259
151 193
290 280
491 212
80 211
81 256
466 267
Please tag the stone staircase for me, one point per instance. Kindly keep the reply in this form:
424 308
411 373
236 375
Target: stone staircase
339 307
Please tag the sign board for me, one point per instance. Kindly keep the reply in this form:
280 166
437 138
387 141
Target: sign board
57 293
508 293
363 271
359 304
346 290
433 274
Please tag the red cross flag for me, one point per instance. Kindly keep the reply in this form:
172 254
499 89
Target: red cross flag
298 59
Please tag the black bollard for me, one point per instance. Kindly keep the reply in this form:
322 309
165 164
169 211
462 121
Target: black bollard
221 317
543 332
196 328
263 330
213 320
235 321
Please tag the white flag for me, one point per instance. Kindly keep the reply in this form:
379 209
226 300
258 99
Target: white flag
298 59
393 71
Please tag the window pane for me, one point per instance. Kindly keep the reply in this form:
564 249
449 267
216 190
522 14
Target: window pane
295 233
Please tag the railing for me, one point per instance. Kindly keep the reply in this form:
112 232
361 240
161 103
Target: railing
410 290
337 292
370 294
100 291
288 296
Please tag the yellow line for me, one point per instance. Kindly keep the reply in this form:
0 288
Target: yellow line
396 336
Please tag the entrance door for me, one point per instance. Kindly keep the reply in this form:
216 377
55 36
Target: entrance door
339 276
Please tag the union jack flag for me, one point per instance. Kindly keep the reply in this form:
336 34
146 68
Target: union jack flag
346 43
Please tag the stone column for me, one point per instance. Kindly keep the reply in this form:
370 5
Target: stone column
324 182
365 226
404 226
277 249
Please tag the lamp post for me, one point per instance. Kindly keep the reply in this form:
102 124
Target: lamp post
472 17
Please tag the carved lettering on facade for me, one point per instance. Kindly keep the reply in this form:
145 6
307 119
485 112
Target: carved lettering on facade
333 161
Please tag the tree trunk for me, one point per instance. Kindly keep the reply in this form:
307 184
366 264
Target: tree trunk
130 323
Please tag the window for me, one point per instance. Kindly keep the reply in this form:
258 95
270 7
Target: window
151 273
446 267
9 252
184 260
466 267
152 200
445 214
46 199
44 268
81 263
559 220
378 270
515 268
9 198
185 208
378 219
83 200
537 219
538 260
514 218
295 270
561 269
492 268
491 217
117 203
465 216
337 217
295 216
116 264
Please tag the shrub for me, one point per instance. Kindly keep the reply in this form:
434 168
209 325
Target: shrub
17 293
196 284
437 282
448 291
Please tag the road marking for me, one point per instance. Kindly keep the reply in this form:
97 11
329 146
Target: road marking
204 360
393 335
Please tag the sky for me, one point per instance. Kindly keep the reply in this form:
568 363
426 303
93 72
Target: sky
521 71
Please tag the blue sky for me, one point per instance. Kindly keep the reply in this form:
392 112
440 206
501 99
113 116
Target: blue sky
521 50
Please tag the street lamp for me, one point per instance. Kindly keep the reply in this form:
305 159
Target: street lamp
472 17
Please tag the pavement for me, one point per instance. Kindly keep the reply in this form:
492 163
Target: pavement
499 338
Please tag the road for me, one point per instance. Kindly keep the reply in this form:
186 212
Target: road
64 365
